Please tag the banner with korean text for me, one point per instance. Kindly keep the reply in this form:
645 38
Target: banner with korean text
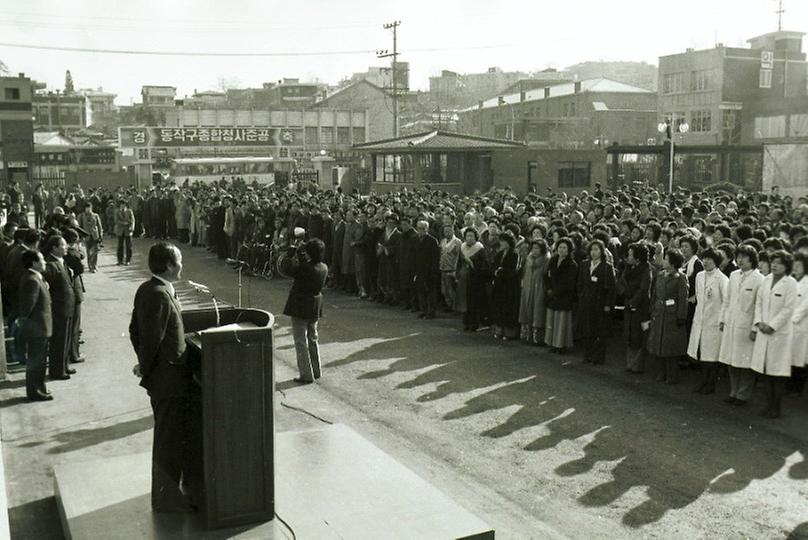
156 137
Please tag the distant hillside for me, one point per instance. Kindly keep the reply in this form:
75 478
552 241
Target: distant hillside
639 74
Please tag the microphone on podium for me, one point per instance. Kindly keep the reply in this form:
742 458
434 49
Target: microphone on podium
199 287
204 289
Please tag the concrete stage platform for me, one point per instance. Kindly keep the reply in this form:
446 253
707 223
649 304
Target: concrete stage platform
329 483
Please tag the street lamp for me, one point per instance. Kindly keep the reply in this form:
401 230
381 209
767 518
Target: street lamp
666 127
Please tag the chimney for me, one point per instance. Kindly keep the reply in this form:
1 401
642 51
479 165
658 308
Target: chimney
522 95
21 75
546 92
577 87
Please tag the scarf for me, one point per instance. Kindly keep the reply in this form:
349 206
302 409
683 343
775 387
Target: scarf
470 251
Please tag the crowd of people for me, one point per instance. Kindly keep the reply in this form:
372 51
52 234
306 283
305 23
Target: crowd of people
712 281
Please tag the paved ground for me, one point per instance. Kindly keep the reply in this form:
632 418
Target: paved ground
540 446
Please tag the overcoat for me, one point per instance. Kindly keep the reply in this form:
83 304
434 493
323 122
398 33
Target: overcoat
636 282
596 291
667 336
799 340
532 308
742 291
711 298
560 284
775 307
505 295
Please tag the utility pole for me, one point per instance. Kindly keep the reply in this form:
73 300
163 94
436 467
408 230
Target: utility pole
394 55
780 12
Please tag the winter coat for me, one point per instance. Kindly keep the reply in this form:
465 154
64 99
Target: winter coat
505 293
775 307
667 336
711 301
596 291
560 284
635 282
799 341
532 304
736 346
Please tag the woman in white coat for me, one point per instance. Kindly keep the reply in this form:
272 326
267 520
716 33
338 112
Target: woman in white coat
799 343
774 311
737 326
705 334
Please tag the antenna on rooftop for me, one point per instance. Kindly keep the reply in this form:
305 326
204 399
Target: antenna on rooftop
780 11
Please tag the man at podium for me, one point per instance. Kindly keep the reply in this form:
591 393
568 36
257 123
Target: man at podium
158 337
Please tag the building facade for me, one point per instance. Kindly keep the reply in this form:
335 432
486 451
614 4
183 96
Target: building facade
56 111
16 129
576 115
732 96
376 103
158 96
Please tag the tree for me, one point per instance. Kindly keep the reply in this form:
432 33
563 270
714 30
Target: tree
68 83
4 69
227 83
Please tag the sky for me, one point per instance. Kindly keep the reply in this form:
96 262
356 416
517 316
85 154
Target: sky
463 36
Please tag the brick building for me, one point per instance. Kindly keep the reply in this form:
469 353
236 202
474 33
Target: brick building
579 115
16 129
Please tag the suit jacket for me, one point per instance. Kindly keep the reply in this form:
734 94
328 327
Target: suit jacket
427 259
305 299
34 307
59 279
124 222
158 337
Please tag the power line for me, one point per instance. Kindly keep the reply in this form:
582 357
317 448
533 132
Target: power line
193 22
245 54
81 27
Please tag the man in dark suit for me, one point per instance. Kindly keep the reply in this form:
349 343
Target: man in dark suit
63 300
34 324
305 306
158 337
427 270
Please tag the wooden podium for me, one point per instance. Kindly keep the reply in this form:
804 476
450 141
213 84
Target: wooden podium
237 382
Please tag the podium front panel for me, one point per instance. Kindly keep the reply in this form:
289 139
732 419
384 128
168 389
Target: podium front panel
238 426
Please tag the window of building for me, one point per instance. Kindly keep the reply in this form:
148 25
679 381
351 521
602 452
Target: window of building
700 80
434 168
12 93
770 127
396 168
358 135
573 110
574 174
673 83
799 125
343 135
327 135
701 121
765 78
312 136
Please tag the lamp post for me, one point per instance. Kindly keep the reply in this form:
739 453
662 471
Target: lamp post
667 127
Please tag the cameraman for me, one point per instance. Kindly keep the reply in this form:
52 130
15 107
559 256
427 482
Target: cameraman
305 305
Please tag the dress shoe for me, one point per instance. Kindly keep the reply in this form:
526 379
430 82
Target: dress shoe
39 396
730 400
71 371
740 402
78 360
422 315
60 377
302 381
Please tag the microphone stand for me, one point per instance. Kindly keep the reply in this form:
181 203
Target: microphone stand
239 265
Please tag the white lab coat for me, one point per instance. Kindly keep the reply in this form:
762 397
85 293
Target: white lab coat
711 297
739 318
775 307
799 339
